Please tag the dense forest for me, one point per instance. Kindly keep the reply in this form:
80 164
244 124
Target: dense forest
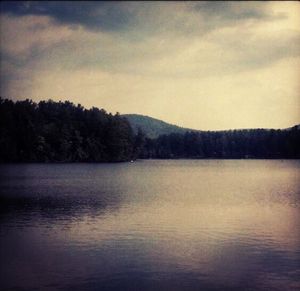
232 144
62 132
51 131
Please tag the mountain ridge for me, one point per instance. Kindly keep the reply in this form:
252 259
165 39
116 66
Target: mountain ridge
154 127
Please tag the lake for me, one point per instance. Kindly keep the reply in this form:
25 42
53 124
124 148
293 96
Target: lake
151 225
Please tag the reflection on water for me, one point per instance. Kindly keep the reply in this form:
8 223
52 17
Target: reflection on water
151 225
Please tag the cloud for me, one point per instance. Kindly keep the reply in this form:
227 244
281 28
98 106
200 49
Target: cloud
93 15
232 11
190 58
120 16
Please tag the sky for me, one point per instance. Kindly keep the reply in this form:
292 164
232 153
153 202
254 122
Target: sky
201 65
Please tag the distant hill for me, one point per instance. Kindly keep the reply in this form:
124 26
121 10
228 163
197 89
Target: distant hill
153 127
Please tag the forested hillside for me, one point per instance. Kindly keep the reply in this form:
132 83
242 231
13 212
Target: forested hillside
62 132
152 127
167 141
51 131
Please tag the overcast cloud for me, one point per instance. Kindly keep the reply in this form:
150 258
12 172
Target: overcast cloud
204 65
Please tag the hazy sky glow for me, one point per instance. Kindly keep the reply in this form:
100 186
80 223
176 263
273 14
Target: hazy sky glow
204 65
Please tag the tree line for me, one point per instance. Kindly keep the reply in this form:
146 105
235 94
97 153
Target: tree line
51 131
232 144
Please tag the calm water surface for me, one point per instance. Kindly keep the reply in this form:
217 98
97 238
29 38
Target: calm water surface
151 225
